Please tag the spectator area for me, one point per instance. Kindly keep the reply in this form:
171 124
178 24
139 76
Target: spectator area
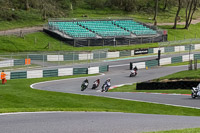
134 27
101 28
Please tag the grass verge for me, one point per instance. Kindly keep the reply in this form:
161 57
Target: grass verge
17 96
189 130
184 75
132 88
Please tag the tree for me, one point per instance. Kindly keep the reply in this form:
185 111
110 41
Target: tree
177 13
165 5
189 12
156 12
26 4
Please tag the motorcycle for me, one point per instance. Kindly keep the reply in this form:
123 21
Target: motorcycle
195 92
133 73
95 85
105 87
84 86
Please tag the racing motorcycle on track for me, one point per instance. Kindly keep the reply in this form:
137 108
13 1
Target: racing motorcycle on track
195 92
133 73
84 85
105 87
96 84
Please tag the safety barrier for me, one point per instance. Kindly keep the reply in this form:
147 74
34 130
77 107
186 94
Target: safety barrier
164 61
116 54
56 72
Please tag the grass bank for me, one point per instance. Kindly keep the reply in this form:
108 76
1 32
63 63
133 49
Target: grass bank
42 42
33 17
17 96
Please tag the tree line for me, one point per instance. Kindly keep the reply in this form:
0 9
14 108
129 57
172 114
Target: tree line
61 8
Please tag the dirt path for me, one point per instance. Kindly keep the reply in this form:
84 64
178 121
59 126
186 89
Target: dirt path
21 31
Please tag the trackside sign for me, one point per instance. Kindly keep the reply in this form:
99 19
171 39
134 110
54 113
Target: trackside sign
141 51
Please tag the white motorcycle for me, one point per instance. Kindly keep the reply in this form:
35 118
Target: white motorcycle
133 73
106 87
195 91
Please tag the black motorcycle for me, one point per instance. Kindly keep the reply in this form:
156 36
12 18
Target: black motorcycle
84 86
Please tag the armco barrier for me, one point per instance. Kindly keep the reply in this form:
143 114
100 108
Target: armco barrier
169 49
177 59
50 73
77 71
93 70
65 71
38 57
164 61
166 85
112 54
99 56
124 53
18 75
189 47
56 72
71 56
35 74
7 63
151 63
150 50
196 56
19 62
55 58
103 69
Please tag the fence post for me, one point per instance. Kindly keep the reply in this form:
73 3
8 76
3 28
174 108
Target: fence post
43 61
195 64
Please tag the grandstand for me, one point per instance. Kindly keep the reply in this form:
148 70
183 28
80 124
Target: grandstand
104 32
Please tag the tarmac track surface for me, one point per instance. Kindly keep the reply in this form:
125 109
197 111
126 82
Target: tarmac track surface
120 75
92 122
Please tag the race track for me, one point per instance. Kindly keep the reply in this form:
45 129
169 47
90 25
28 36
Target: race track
98 122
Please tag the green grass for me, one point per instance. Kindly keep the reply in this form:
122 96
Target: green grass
188 74
17 96
24 19
180 63
39 42
189 130
181 34
33 17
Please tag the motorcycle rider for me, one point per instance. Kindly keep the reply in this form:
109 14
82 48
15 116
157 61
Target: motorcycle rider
86 81
96 83
107 83
198 88
134 70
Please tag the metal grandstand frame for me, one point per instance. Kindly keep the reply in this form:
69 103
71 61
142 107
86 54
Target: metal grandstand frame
161 35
